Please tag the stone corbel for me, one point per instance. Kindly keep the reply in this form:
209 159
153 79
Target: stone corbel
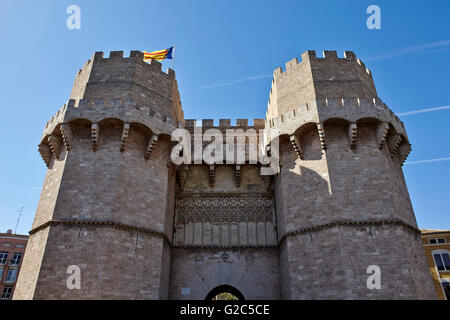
183 174
67 136
94 136
381 134
238 176
404 150
211 175
46 153
123 140
352 134
322 138
150 146
296 145
393 142
55 144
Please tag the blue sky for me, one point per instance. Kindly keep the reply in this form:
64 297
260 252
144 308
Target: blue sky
225 54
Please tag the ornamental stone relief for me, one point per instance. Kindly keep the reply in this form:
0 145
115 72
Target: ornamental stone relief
224 209
232 221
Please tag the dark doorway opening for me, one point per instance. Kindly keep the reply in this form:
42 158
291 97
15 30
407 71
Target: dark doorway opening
225 292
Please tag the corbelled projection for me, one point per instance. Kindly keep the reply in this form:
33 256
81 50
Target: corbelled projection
140 226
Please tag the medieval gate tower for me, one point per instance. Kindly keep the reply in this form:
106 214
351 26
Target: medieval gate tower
140 227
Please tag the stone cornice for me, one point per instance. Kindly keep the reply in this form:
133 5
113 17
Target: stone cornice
280 241
345 223
112 224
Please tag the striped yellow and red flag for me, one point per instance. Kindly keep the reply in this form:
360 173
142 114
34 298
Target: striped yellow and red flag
158 55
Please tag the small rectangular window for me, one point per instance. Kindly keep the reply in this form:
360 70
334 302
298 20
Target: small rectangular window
7 292
3 257
7 244
438 261
441 240
432 241
1 272
20 246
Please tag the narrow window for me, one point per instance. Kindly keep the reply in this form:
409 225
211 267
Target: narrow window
15 261
11 276
441 240
446 258
438 261
432 241
3 257
446 287
7 292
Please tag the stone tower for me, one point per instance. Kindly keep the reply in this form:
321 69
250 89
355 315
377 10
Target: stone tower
139 226
106 200
342 204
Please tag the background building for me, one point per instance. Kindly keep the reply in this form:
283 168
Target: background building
437 250
12 249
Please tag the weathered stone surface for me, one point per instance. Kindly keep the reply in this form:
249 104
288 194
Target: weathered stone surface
141 227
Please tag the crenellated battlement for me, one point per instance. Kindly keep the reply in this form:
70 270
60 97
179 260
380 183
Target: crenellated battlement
118 56
129 77
327 57
225 124
125 109
351 113
329 77
350 109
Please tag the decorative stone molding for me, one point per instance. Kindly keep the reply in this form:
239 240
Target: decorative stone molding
113 224
209 217
345 223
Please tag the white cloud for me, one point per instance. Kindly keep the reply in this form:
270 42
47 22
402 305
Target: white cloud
411 49
427 161
423 110
229 83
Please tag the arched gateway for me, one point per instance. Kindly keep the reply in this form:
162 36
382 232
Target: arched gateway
235 293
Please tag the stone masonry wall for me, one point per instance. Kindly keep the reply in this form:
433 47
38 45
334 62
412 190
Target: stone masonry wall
254 272
110 210
332 264
140 227
114 263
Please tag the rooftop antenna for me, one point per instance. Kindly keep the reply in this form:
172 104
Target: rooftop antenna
18 218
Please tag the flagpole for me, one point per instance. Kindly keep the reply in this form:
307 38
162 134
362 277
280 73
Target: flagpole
173 58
